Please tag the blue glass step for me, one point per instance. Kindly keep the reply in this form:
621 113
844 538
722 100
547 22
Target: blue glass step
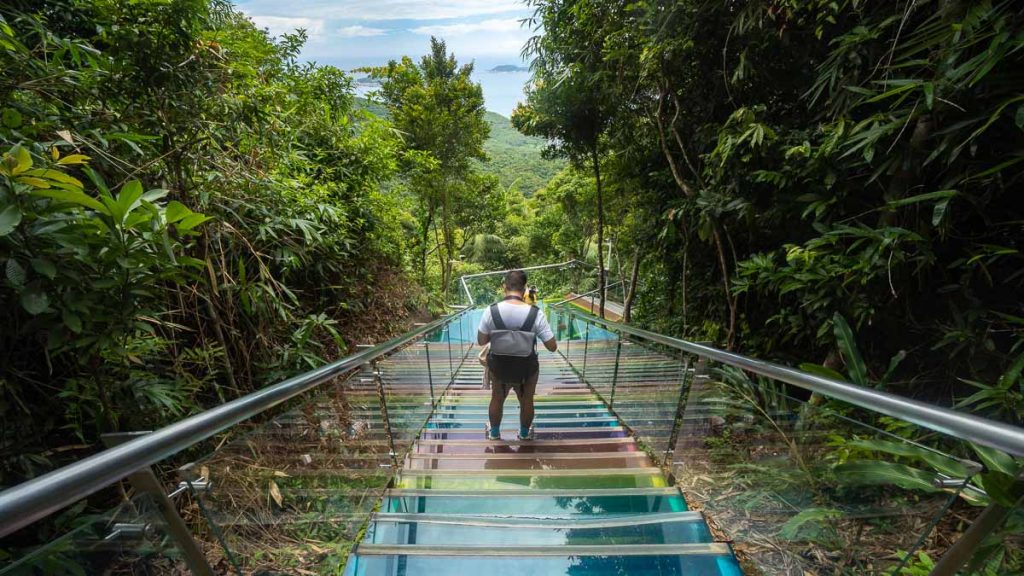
542 434
537 503
479 530
653 560
512 424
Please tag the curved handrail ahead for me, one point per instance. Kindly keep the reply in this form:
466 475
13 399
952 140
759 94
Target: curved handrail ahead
30 501
1009 439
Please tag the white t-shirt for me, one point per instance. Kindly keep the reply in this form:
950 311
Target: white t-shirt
514 315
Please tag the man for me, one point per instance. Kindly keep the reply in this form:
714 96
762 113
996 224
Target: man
512 328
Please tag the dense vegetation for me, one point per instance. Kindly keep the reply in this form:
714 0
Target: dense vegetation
187 213
832 184
516 159
776 165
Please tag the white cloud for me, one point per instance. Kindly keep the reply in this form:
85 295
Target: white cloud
502 26
381 9
360 32
278 25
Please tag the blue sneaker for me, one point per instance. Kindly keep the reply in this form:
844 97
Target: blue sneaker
526 433
491 433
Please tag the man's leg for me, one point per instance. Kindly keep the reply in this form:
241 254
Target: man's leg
529 390
499 391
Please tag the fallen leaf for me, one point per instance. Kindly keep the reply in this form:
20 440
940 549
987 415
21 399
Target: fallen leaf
275 493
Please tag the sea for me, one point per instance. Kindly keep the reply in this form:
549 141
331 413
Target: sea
502 90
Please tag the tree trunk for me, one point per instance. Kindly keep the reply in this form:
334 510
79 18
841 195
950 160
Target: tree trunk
627 306
218 326
726 281
600 230
423 247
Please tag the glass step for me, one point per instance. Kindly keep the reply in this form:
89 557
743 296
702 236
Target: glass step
527 461
510 424
537 503
542 434
531 479
650 560
477 530
512 446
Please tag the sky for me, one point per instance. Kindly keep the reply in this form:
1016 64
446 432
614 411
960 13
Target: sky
351 33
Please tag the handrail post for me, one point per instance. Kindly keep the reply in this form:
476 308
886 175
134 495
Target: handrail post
568 336
382 398
430 373
677 422
145 482
586 346
615 372
451 365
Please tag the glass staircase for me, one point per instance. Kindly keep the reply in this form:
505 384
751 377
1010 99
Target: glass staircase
581 498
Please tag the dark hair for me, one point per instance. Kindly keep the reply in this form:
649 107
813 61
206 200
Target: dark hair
515 281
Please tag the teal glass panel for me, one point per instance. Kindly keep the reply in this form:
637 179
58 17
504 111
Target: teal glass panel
682 565
476 531
538 506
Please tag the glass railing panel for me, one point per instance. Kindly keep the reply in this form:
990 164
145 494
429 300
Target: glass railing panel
294 493
830 487
647 391
407 390
600 365
130 539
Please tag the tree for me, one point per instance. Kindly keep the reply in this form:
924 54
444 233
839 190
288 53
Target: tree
567 103
439 111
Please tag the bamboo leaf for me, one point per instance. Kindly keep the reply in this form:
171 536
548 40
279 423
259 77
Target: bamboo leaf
848 349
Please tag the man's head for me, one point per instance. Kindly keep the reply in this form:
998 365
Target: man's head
515 281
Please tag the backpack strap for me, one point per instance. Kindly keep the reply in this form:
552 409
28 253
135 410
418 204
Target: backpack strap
499 324
531 318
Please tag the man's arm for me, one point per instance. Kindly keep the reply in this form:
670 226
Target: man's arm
551 344
483 338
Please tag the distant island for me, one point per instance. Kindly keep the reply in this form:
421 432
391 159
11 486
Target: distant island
509 68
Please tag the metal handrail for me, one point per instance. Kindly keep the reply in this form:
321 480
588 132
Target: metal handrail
1009 439
30 501
469 295
588 293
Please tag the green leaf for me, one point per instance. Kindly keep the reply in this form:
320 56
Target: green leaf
11 118
15 273
155 194
939 212
937 195
875 473
175 211
995 460
44 267
1019 117
797 525
23 160
72 321
819 370
848 349
943 464
191 221
80 198
10 217
35 301
129 197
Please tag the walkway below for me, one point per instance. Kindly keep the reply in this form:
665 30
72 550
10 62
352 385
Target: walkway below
580 499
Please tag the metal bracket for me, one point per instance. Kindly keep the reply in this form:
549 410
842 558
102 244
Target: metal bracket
130 531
